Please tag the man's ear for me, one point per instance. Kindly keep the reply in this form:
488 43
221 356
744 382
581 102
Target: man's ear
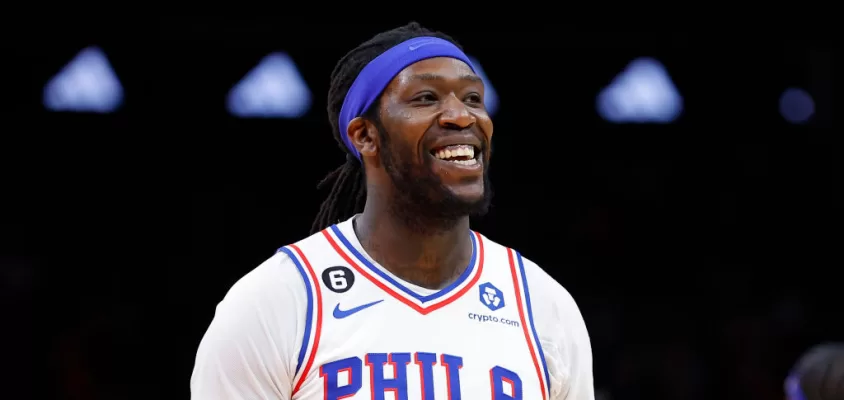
364 136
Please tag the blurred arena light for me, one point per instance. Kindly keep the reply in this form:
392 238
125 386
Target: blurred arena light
490 95
86 84
272 89
796 105
642 93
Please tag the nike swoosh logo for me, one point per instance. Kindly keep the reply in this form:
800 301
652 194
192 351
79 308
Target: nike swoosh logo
340 314
418 45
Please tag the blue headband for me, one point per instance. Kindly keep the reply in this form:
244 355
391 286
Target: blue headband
379 72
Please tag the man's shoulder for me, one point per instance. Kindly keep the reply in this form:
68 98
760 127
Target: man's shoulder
286 271
547 289
275 276
308 246
284 277
543 287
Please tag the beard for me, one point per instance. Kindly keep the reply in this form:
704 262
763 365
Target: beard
421 200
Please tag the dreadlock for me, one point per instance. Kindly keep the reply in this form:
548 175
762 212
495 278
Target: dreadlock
348 183
821 372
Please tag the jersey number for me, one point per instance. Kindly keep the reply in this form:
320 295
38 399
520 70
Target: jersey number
338 279
505 384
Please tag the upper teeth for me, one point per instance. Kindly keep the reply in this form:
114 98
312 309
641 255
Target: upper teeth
460 150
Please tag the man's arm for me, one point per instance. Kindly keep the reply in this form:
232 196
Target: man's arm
563 336
248 351
580 383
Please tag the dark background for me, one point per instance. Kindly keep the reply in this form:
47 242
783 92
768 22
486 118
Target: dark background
701 252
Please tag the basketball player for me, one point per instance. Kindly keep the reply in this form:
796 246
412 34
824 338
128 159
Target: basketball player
393 296
818 375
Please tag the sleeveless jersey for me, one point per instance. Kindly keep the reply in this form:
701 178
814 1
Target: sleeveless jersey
321 320
371 336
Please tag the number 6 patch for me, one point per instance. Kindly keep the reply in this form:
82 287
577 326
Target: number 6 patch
338 279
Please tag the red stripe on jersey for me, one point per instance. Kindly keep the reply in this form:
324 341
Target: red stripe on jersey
318 329
518 292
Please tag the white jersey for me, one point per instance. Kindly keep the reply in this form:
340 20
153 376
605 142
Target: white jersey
322 320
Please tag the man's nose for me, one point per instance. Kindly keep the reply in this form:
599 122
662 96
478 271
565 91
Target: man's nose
455 114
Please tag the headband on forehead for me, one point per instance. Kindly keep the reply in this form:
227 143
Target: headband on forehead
379 72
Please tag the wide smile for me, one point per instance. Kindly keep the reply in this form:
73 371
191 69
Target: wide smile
465 156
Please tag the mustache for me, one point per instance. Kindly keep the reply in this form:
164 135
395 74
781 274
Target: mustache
436 131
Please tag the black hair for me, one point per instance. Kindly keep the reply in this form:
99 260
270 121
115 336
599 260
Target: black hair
348 186
821 372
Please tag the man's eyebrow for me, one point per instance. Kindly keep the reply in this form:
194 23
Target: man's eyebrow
436 77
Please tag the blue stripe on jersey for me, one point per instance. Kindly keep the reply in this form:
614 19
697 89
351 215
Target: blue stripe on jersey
309 310
466 273
530 320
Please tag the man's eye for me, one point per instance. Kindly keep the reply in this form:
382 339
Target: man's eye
425 98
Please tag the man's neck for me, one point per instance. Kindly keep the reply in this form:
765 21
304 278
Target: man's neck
431 258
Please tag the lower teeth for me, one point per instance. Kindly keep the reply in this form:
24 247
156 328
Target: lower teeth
470 161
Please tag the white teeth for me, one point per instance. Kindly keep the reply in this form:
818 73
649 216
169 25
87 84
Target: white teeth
460 150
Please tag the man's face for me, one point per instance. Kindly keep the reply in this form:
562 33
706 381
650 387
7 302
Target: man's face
435 139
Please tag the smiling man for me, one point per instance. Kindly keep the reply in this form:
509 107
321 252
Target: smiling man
393 296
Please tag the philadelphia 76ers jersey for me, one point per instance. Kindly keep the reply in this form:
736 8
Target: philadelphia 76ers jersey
322 320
